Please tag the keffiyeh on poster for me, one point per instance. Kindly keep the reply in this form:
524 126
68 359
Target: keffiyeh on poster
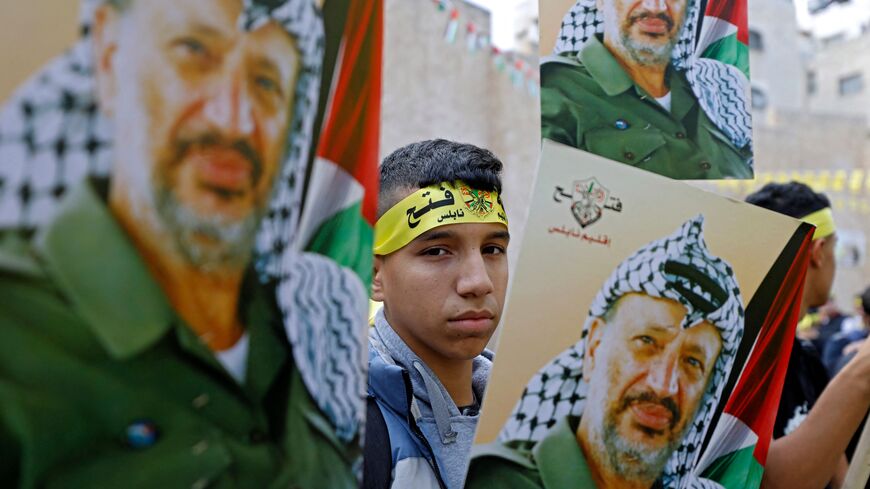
659 85
645 332
187 199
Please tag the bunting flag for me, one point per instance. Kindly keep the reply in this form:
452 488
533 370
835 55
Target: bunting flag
471 37
498 59
346 162
534 84
452 26
725 34
477 39
518 75
738 447
482 40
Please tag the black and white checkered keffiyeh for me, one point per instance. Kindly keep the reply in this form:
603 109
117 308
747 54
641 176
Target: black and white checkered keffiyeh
52 135
721 89
678 267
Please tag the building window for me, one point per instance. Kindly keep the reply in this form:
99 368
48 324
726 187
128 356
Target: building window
816 6
851 84
827 41
811 82
755 40
759 99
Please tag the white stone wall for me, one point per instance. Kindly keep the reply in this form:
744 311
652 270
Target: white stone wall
833 61
776 68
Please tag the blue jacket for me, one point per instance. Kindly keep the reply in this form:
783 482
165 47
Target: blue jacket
430 439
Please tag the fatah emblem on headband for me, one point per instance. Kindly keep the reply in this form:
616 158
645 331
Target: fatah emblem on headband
480 202
433 206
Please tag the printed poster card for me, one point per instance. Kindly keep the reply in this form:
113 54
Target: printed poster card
649 320
246 140
662 86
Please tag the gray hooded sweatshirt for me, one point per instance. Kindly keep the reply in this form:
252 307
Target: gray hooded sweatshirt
449 432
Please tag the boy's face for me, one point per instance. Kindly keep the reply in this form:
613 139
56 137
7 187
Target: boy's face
443 292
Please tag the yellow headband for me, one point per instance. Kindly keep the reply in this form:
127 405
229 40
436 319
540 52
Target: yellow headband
436 205
823 220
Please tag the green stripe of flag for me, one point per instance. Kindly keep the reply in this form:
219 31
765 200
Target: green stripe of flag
347 238
730 51
736 470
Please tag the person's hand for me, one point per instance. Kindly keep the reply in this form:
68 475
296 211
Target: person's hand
857 370
853 347
862 358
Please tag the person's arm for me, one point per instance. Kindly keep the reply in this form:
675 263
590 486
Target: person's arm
840 471
810 456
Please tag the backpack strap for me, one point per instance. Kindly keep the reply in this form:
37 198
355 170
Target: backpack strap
378 461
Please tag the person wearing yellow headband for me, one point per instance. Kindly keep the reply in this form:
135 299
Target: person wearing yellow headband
816 417
441 272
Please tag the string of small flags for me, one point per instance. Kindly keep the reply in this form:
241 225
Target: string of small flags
523 75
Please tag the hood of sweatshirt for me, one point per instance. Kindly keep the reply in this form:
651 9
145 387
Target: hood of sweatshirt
449 430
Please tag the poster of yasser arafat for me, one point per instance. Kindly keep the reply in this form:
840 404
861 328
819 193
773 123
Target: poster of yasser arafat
660 85
177 209
643 336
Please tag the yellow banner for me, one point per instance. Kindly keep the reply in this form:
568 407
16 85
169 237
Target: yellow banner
434 206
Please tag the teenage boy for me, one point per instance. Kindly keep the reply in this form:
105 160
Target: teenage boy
441 271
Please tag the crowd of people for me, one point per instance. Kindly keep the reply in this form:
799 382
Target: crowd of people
837 334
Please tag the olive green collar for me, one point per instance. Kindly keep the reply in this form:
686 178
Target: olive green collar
613 79
604 68
102 273
559 458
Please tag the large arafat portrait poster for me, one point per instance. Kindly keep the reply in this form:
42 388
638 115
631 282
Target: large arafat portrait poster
187 195
661 85
645 337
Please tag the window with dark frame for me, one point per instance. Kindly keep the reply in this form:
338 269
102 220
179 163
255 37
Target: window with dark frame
759 99
756 42
851 84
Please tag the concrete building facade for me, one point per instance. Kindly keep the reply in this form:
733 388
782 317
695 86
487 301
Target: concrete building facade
775 57
840 72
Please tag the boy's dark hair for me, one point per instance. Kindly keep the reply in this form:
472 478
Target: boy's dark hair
424 163
792 199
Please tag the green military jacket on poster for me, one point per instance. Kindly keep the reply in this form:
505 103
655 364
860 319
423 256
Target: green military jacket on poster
555 462
591 103
102 385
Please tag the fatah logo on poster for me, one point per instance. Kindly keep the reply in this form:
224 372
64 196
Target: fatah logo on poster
588 200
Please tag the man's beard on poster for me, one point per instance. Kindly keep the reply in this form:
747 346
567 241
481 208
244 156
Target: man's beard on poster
635 460
209 243
647 53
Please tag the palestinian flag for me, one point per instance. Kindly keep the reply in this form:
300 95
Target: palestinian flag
725 33
346 163
737 450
